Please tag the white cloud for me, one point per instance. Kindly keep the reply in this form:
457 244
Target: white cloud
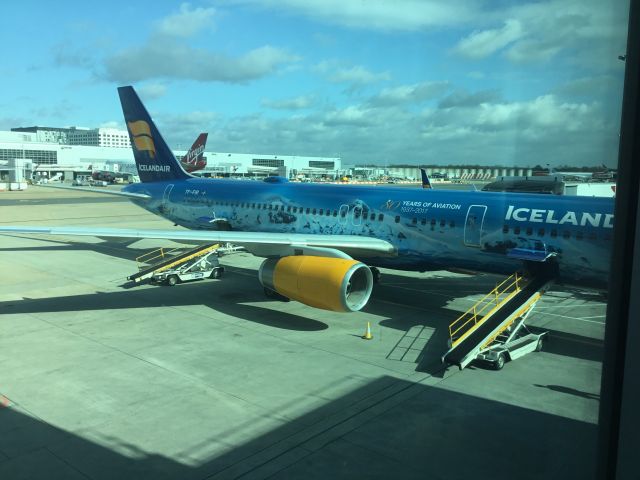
156 60
187 22
151 91
414 94
399 15
462 98
596 86
543 116
166 54
356 76
295 103
592 32
111 124
354 116
481 44
488 133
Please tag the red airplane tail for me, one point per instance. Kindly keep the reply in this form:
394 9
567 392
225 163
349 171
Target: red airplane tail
194 159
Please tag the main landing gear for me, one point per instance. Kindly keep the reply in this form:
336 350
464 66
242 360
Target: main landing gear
376 274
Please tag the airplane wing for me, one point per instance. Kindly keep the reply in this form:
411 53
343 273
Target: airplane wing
117 193
258 243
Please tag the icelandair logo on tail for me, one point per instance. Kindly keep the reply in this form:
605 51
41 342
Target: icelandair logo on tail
142 139
549 216
154 168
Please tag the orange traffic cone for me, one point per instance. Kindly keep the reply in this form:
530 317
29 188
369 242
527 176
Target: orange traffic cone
367 334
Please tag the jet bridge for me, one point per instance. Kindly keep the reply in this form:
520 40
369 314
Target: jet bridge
494 328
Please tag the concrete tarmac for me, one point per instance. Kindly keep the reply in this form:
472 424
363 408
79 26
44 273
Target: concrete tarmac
212 380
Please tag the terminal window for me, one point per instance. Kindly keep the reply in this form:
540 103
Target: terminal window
322 164
267 162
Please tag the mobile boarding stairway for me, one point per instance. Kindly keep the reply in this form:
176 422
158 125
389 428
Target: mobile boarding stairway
494 329
163 260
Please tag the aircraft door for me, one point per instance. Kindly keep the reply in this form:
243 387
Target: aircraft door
164 207
473 225
342 214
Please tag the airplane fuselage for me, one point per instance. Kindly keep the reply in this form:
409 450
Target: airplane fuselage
431 229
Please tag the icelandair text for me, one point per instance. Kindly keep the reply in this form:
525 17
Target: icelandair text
549 216
154 168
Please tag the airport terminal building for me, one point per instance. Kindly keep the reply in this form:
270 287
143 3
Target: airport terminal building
52 152
68 152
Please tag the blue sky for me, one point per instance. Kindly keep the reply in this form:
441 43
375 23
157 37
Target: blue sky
384 82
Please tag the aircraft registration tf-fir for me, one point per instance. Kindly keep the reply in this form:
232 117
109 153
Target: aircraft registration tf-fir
322 242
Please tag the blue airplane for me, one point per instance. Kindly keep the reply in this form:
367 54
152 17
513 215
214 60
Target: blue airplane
323 243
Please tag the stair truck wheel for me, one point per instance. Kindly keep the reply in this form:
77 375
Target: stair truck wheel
216 273
172 280
500 361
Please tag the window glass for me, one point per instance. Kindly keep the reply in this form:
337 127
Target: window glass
509 111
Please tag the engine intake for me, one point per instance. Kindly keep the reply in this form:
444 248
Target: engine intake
337 284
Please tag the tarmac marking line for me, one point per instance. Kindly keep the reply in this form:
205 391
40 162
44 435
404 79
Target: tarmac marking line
580 319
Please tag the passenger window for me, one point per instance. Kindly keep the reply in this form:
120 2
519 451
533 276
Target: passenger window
373 217
313 212
529 231
397 218
321 212
380 217
541 232
566 234
424 221
308 210
505 229
579 236
452 224
414 221
443 223
554 233
289 208
516 230
335 213
433 222
343 213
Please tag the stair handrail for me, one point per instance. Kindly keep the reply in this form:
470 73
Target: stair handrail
492 299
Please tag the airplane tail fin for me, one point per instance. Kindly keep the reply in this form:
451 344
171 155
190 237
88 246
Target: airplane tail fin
194 159
426 183
154 159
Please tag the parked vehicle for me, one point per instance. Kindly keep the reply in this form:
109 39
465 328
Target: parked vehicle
197 269
81 181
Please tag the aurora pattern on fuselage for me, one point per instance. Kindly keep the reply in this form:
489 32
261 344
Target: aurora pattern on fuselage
431 229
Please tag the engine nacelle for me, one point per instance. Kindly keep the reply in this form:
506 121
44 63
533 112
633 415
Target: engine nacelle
337 284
